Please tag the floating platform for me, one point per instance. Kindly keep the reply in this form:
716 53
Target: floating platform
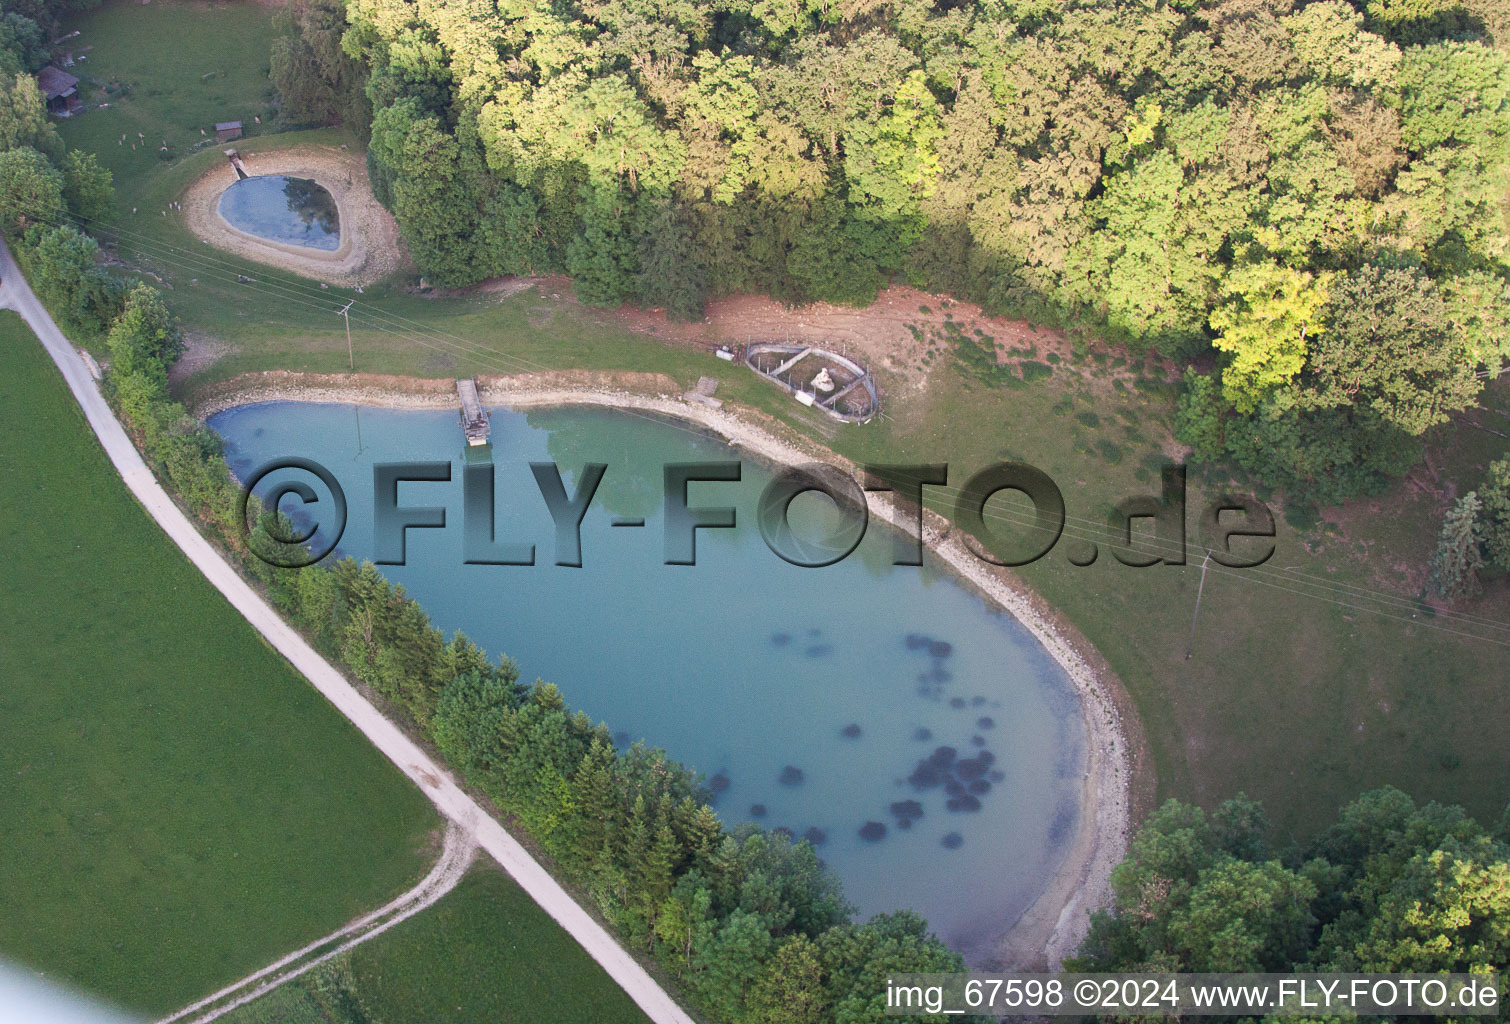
703 393
474 418
236 164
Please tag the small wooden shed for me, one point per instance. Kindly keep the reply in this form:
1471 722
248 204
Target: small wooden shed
225 131
59 89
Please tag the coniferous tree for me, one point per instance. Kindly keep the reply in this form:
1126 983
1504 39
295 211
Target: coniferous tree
1455 566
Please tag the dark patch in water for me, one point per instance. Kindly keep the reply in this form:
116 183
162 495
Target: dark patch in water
966 804
850 731
932 681
872 831
956 702
970 768
952 841
757 810
819 650
1059 828
996 775
985 722
791 775
954 787
926 775
784 833
906 812
814 632
621 739
979 787
816 836
979 741
780 639
942 757
718 783
922 733
977 701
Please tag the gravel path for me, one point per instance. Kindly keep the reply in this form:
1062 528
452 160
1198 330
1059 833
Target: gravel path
448 797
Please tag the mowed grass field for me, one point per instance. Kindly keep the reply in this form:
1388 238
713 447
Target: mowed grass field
170 70
180 807
486 952
1311 679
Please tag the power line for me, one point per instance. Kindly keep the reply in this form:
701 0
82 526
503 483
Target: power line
346 315
456 346
471 349
1199 593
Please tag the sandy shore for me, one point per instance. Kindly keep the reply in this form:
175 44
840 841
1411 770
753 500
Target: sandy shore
1053 927
370 246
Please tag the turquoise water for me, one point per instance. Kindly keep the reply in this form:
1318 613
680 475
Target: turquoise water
293 211
742 665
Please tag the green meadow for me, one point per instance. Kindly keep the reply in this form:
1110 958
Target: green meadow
485 952
180 806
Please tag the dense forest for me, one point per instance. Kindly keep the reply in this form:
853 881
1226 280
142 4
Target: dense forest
1304 203
1390 887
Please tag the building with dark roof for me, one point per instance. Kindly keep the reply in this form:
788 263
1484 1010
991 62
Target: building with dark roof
59 89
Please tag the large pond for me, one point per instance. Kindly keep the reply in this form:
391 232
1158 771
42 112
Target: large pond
743 666
291 211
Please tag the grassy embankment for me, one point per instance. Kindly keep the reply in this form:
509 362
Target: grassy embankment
1297 701
180 806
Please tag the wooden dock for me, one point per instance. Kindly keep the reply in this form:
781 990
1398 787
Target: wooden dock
474 419
703 393
236 164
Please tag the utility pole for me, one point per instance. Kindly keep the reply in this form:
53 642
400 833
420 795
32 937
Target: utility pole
1190 642
346 315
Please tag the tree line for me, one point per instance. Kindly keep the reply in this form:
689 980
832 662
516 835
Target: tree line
41 180
1474 543
27 28
1303 202
1390 887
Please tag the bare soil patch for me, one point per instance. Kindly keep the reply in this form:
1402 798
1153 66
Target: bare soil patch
891 334
200 351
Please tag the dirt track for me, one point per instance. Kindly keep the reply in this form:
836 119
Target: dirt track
455 857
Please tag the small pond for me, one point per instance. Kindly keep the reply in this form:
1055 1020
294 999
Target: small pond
291 211
926 741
